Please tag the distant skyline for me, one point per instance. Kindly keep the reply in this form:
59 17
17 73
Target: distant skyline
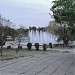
27 12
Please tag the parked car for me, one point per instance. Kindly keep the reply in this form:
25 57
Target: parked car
72 44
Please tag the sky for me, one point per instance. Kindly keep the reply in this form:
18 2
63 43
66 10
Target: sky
27 12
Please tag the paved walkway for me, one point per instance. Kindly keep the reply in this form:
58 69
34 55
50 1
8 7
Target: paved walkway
48 63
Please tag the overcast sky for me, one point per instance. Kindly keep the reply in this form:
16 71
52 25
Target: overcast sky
27 12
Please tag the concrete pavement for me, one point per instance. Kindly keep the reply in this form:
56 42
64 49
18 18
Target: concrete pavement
51 62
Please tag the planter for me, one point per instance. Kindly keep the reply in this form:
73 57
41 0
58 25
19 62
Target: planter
8 47
50 44
44 47
37 46
29 46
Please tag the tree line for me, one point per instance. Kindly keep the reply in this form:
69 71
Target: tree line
8 28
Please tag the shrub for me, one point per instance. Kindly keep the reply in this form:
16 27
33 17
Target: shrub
37 46
29 45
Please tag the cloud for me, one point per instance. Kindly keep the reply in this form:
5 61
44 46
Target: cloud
26 12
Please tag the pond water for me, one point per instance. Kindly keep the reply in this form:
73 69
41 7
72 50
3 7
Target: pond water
40 37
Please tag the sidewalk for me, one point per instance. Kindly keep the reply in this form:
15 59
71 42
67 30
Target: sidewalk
51 62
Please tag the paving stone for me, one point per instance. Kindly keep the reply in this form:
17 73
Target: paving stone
40 64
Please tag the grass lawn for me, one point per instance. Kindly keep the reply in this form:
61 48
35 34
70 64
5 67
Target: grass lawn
8 54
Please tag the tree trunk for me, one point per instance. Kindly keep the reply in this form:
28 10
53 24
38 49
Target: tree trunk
1 50
65 41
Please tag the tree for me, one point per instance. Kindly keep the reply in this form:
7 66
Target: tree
53 28
64 14
22 33
2 42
